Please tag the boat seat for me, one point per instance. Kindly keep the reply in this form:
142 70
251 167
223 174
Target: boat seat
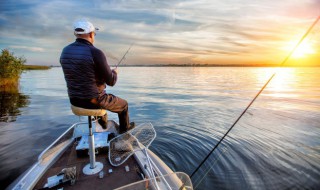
87 112
93 167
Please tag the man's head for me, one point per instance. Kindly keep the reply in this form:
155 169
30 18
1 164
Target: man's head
85 30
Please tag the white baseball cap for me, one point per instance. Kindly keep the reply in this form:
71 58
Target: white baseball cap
83 27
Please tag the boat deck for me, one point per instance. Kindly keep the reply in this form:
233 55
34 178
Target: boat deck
117 178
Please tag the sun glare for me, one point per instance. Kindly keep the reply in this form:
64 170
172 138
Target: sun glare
302 51
281 84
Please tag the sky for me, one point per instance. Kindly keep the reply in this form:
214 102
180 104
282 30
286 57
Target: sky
166 32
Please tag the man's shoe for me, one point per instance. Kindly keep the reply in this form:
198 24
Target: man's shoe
131 126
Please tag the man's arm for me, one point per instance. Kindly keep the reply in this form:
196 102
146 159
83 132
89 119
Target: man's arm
103 70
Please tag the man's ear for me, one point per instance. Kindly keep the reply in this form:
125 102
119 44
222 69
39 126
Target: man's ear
91 34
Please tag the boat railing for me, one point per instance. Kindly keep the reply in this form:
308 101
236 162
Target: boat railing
51 152
63 140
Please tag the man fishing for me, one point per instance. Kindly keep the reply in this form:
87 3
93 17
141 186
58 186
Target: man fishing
87 74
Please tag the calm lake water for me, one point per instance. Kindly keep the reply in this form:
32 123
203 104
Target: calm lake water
276 144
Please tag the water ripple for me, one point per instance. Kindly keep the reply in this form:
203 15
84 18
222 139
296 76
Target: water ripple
275 145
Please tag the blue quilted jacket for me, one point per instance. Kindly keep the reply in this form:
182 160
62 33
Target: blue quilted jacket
86 70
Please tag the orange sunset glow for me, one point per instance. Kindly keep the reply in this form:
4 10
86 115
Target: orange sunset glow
259 33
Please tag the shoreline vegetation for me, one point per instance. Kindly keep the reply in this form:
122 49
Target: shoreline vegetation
11 68
11 100
12 83
36 67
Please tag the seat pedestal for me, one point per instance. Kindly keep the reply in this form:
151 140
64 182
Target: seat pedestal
93 167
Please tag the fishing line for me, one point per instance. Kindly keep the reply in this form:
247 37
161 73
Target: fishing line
245 110
123 57
208 170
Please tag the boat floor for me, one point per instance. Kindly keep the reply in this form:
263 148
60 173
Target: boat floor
119 177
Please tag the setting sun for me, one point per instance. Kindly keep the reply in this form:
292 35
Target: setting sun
306 54
304 49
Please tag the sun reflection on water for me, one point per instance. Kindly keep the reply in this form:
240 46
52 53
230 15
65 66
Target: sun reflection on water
284 81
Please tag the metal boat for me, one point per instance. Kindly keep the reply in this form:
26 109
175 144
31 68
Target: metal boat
133 166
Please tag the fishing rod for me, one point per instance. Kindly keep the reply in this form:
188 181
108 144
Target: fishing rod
124 56
264 86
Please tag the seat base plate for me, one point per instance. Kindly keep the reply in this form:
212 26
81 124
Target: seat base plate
88 171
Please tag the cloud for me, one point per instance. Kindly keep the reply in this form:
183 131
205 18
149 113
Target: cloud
193 29
33 49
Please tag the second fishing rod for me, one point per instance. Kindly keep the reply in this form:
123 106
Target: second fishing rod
124 56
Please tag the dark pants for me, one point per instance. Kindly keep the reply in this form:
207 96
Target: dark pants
117 105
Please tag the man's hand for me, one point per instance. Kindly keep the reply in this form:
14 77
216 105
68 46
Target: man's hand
115 70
